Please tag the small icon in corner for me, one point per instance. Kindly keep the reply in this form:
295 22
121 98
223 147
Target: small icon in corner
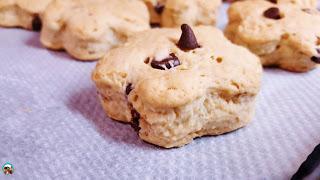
7 168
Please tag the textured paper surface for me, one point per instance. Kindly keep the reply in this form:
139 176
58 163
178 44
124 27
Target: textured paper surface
53 127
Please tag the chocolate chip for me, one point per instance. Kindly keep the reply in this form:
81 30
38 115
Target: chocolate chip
147 60
135 117
315 59
167 63
159 8
219 59
155 25
36 23
272 13
273 1
188 40
129 88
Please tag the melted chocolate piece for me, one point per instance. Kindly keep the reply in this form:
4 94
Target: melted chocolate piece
188 40
159 8
36 23
273 1
129 88
272 13
167 63
135 117
315 59
155 25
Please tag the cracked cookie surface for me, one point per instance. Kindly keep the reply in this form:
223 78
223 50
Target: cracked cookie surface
283 35
87 29
174 87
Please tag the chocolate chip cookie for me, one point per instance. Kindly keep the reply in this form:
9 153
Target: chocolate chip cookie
283 35
175 85
173 13
87 29
22 13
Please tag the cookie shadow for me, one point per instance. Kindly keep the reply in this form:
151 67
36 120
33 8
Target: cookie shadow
85 101
34 42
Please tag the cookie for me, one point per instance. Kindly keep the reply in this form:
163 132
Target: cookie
173 13
301 3
283 35
175 86
87 29
22 13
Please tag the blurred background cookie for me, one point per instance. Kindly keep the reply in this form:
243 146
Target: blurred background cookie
22 13
173 13
283 35
87 29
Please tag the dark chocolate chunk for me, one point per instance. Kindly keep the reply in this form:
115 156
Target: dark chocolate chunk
309 165
36 23
135 117
188 40
315 59
159 8
273 1
129 88
272 13
167 63
155 25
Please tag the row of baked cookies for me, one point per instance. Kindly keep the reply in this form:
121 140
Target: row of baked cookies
167 13
172 13
87 29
